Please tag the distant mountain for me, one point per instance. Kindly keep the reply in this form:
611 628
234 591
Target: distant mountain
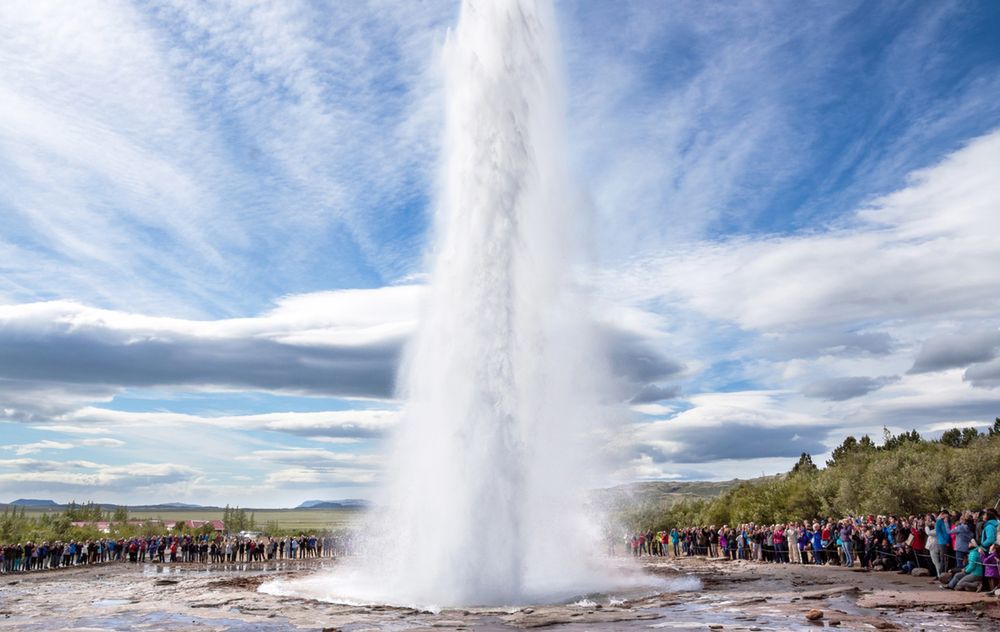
333 504
34 502
176 506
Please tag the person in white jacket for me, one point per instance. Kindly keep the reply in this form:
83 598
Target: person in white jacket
932 545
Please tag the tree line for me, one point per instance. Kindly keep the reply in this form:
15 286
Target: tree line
905 474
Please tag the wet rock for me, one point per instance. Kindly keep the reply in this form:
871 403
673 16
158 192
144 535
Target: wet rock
715 626
833 622
165 582
830 592
243 583
814 615
752 600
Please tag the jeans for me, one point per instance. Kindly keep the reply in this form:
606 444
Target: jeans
937 559
964 581
848 558
961 557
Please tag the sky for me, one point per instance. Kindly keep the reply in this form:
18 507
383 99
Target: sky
213 220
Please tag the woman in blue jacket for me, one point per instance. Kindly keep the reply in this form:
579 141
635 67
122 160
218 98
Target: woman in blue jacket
990 528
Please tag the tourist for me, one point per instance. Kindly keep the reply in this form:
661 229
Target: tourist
963 534
942 531
991 570
990 527
970 577
847 542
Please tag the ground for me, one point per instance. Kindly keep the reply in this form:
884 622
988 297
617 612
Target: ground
731 596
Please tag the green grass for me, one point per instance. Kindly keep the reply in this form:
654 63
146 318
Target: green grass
301 519
306 520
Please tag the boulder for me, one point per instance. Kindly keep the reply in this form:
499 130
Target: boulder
920 572
814 615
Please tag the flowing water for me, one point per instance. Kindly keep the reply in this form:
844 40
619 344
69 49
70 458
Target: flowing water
502 381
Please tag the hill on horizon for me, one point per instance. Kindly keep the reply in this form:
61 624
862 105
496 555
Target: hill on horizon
34 502
333 504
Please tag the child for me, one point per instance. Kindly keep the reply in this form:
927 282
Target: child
991 570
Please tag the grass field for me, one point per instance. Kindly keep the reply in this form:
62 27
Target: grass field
300 519
305 520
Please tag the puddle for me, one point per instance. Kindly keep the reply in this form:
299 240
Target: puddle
110 602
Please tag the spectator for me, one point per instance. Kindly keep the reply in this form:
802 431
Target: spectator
970 577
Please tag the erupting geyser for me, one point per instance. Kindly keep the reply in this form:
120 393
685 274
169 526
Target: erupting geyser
484 497
499 381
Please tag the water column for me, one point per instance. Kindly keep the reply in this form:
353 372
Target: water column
486 466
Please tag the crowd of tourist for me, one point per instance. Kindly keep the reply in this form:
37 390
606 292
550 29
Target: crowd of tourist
960 547
204 549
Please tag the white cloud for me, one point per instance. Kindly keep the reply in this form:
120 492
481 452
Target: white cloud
319 460
47 444
348 424
90 478
71 429
916 253
306 477
31 448
103 442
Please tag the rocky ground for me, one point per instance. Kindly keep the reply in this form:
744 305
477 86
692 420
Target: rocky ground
731 596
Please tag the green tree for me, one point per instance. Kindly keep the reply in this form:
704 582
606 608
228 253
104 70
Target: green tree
120 514
892 442
844 451
952 438
805 465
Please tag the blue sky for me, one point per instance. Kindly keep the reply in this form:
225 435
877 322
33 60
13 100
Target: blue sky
213 219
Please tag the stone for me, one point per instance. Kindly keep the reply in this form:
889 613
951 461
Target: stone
814 615
920 572
830 592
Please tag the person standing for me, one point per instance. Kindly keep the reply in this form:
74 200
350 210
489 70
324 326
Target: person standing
792 538
942 531
847 541
963 535
990 527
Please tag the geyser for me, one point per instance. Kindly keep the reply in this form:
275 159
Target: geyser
484 498
500 380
